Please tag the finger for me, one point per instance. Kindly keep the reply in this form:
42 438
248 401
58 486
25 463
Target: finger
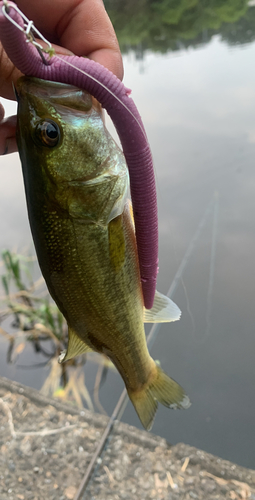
8 142
90 32
81 26
8 75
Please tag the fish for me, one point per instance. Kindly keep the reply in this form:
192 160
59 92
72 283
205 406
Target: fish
76 183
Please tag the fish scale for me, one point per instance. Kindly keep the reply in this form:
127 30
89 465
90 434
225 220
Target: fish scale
76 181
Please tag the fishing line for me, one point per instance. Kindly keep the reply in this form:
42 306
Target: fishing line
114 97
123 400
212 267
27 27
27 30
178 276
106 88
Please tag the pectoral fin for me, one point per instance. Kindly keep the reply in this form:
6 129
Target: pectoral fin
164 310
76 347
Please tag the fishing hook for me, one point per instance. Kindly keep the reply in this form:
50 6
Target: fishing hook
114 97
28 29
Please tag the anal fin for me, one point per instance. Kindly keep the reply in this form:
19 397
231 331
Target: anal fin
76 347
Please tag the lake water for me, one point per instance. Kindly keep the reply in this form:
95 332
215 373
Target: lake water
198 108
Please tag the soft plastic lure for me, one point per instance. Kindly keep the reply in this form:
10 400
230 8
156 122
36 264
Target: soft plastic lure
114 97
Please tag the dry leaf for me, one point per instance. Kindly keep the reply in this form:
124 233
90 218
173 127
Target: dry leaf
171 481
244 490
219 480
185 464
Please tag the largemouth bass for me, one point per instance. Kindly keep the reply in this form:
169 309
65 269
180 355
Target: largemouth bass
76 182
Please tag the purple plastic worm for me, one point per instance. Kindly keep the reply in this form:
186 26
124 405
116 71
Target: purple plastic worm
114 97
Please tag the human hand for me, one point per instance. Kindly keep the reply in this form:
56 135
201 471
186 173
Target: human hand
75 27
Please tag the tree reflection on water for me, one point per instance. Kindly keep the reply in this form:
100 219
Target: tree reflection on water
171 25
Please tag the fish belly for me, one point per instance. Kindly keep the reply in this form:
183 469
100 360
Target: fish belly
93 275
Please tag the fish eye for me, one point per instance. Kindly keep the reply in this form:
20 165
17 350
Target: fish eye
48 133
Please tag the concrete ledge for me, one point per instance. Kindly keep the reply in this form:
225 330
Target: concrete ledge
46 447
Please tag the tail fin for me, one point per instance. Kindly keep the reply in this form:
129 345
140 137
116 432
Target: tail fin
162 389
